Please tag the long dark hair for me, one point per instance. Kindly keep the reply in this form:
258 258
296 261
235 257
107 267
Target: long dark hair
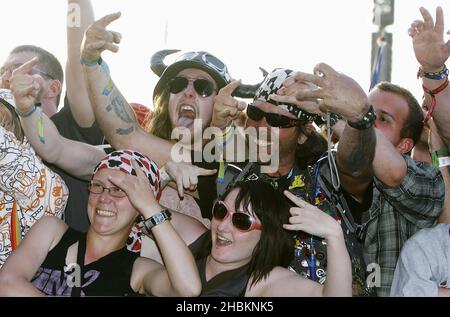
159 123
275 247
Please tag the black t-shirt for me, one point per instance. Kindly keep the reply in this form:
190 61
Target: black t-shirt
206 188
108 276
75 214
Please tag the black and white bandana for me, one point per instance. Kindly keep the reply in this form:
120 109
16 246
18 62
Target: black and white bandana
274 82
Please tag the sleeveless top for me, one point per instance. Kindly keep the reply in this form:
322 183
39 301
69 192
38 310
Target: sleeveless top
226 284
108 276
314 186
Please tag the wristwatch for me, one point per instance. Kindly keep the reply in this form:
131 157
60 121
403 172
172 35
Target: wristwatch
155 220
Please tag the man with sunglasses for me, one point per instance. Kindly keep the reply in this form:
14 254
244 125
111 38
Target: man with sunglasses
313 184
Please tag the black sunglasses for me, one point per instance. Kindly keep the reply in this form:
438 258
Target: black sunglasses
273 119
203 87
240 220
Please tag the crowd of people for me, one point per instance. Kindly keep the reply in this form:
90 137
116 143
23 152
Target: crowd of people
223 188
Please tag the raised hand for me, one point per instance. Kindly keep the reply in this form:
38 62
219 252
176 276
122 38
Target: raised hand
186 175
26 87
311 219
428 41
226 107
97 39
289 91
333 91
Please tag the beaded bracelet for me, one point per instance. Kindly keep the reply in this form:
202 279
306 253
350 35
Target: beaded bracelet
442 74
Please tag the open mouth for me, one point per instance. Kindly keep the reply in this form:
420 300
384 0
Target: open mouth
105 213
222 241
186 116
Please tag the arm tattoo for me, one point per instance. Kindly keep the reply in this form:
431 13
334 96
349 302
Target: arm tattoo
356 153
125 131
118 106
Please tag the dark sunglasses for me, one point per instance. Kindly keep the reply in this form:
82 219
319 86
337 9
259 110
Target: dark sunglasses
240 220
273 119
203 87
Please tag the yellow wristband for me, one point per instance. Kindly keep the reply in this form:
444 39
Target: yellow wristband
163 175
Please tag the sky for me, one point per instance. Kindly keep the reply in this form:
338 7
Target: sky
245 34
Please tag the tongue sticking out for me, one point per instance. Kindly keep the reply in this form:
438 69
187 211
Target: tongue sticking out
186 122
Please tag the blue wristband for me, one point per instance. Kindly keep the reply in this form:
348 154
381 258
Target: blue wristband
29 113
89 63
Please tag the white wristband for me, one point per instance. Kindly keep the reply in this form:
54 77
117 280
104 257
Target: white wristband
164 177
444 161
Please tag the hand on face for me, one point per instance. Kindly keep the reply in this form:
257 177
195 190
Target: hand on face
25 87
226 107
311 219
428 40
138 191
97 39
333 91
186 175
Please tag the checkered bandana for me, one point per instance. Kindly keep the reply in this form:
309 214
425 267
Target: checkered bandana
121 160
273 82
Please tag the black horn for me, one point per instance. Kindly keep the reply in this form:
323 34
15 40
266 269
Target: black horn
265 72
249 91
157 62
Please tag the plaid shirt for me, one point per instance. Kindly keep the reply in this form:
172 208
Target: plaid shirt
398 213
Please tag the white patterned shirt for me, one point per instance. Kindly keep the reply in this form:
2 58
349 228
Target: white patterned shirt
27 188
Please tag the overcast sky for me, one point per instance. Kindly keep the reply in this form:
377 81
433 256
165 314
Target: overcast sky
245 34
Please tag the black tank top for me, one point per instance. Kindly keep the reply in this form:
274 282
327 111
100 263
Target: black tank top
227 284
108 276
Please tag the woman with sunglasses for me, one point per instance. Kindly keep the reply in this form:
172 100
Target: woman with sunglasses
183 95
56 260
249 246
